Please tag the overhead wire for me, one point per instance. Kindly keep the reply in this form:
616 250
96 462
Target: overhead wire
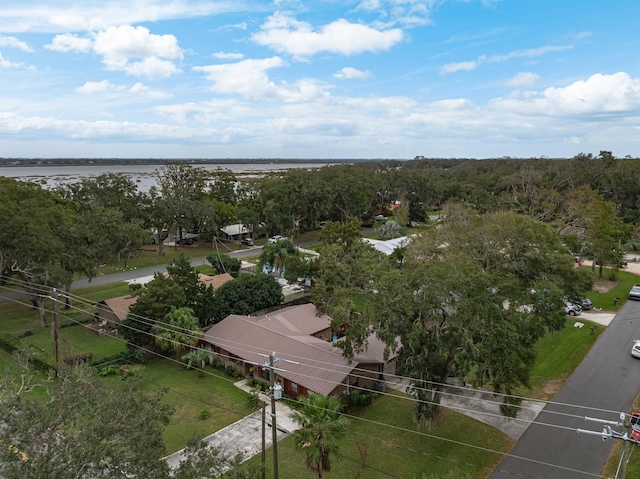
251 349
389 425
407 398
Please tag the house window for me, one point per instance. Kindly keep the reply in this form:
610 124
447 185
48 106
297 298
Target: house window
294 387
264 373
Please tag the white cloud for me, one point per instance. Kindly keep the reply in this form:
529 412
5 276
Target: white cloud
63 16
15 43
528 53
247 77
98 87
4 63
600 96
143 90
283 33
347 73
400 12
523 79
120 45
138 89
458 66
69 43
228 56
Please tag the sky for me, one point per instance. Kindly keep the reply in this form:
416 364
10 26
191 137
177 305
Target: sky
319 79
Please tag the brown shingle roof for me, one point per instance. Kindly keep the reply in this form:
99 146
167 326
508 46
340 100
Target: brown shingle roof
120 305
215 281
295 319
321 366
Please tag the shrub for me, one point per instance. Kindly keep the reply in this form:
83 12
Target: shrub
359 398
118 358
204 414
109 370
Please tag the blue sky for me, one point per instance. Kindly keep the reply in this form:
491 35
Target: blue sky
319 79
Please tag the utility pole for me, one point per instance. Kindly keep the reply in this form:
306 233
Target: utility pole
264 446
274 430
55 328
631 436
276 393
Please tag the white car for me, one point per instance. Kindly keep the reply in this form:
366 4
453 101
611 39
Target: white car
275 239
572 309
635 349
635 292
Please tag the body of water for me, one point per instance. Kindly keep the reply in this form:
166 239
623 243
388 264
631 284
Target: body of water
143 175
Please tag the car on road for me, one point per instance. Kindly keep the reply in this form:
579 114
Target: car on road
247 242
572 309
275 239
635 292
635 349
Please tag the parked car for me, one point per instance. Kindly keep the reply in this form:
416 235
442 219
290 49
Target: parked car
247 242
572 309
635 292
586 303
275 239
635 349
380 217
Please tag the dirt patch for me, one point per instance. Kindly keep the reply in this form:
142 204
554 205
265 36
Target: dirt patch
605 285
551 388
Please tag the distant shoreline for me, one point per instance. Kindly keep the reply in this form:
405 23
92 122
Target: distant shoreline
25 162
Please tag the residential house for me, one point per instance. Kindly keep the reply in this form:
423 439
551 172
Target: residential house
235 232
111 311
297 335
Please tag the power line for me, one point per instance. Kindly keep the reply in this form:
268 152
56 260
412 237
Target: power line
251 349
398 427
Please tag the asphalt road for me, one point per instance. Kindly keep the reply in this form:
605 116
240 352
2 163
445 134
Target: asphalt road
608 379
137 273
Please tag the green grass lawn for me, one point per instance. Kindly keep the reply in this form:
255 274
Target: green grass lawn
190 395
623 282
383 440
558 354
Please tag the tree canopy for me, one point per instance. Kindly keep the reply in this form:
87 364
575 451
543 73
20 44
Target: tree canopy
247 294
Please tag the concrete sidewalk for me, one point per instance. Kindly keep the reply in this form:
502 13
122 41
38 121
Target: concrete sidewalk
245 436
482 405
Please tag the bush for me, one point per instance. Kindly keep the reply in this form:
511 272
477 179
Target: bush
359 398
25 334
254 399
9 342
110 370
118 358
232 372
204 414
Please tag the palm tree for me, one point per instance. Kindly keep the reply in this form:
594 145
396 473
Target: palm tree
322 426
274 254
179 330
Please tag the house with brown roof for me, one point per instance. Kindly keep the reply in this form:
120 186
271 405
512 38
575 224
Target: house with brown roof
301 338
113 310
215 281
